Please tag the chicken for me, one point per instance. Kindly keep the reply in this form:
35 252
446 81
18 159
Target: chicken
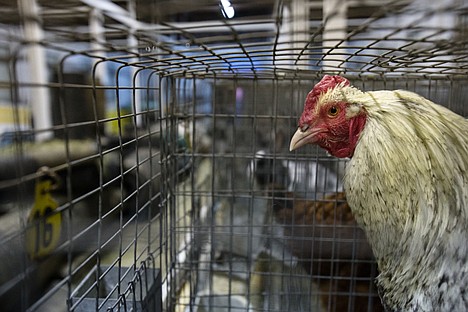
406 183
309 179
323 235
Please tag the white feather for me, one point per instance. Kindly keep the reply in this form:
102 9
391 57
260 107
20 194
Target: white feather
407 184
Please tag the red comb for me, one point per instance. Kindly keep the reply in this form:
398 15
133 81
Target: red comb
322 86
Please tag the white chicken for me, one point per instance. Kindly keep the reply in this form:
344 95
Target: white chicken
406 183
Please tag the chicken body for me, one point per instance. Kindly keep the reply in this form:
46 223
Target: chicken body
323 235
407 185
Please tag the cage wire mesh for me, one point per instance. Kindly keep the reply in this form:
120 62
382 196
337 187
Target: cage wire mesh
144 148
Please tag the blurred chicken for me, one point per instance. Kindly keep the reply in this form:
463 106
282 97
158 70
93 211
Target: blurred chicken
332 248
326 240
306 178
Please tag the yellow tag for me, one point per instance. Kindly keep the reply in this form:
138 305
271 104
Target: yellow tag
43 231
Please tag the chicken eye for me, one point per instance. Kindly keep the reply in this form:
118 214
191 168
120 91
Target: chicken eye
333 111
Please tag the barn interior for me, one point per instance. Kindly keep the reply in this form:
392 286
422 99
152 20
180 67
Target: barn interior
144 148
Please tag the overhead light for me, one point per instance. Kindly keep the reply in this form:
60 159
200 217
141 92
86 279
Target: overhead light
227 9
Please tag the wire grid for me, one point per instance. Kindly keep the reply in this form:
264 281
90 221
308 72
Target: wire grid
167 136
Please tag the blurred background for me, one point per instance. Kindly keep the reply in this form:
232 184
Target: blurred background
144 148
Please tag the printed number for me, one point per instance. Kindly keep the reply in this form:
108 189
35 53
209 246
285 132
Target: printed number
43 229
43 233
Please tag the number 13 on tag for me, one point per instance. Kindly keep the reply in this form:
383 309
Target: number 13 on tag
43 231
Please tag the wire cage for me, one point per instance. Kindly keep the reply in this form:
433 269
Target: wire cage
144 148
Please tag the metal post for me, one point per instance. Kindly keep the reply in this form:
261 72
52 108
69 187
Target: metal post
96 21
334 20
300 27
133 44
39 96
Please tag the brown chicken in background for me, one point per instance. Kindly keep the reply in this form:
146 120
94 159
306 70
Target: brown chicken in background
325 238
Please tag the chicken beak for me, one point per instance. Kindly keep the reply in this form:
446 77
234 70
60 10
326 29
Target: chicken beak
303 137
